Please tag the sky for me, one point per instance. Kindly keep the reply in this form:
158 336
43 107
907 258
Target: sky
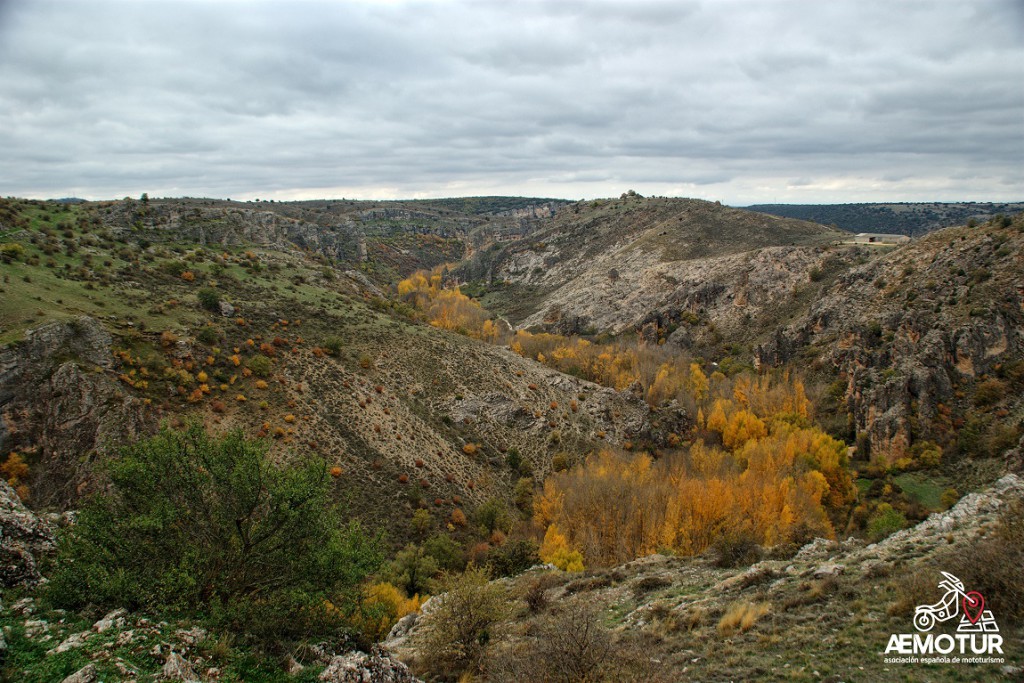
759 101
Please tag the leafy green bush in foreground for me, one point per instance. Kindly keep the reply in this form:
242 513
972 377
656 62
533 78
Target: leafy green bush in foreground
210 527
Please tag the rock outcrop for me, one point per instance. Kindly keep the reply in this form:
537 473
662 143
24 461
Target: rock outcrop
913 331
60 403
23 536
377 666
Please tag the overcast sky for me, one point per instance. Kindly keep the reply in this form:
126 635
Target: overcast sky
815 101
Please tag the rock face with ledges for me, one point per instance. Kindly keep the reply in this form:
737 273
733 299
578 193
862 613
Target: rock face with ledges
915 330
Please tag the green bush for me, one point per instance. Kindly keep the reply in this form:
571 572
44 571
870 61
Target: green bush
209 526
513 557
209 299
884 522
457 632
491 515
11 251
413 570
446 552
209 335
334 345
260 365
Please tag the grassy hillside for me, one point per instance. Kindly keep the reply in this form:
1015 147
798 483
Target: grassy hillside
274 339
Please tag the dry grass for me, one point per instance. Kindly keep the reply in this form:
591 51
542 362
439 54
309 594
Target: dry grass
741 616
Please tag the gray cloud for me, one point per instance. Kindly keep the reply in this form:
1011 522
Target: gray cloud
729 100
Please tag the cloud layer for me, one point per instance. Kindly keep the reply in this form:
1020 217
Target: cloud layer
800 101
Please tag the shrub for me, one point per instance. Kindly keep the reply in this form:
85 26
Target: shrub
989 392
208 335
457 631
572 644
884 522
11 251
260 365
333 345
413 570
446 552
513 557
421 522
649 583
561 461
995 565
491 515
209 299
193 524
737 550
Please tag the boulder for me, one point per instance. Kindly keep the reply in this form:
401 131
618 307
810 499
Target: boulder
829 570
87 674
75 640
177 668
114 619
379 666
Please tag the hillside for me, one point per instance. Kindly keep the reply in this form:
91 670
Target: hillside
825 611
898 217
238 318
927 341
761 384
688 268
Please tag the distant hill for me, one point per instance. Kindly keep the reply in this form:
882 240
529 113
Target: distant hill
903 218
619 264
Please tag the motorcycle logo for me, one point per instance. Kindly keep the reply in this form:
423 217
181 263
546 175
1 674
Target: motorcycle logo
956 601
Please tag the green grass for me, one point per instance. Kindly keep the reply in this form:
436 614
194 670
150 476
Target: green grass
926 489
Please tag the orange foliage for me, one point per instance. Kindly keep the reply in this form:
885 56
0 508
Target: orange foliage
14 469
776 486
448 309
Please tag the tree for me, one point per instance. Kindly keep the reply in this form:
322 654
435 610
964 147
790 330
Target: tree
193 523
413 570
